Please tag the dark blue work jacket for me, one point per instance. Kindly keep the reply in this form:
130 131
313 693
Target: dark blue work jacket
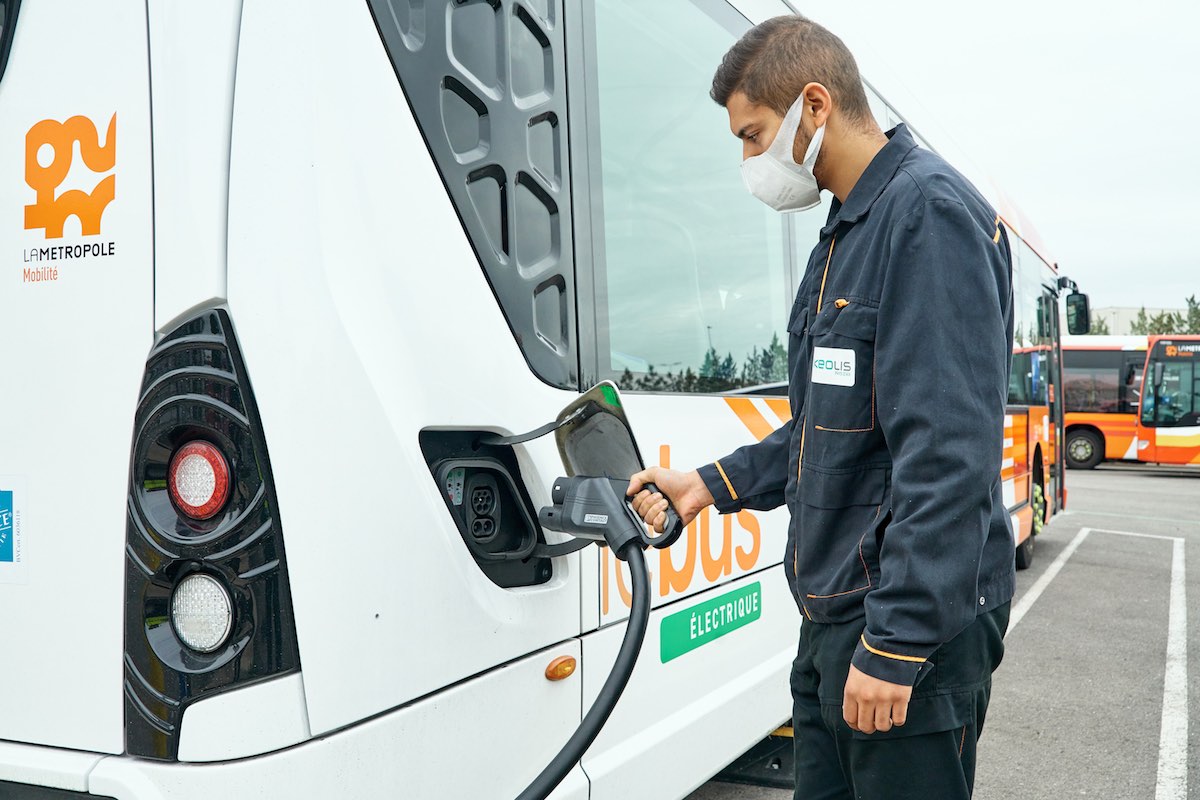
898 358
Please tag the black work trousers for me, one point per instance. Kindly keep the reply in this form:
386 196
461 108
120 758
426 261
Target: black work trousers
931 756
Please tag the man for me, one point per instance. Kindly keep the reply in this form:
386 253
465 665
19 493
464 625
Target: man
900 554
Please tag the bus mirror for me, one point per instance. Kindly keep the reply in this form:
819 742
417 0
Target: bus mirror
596 439
1159 368
1079 318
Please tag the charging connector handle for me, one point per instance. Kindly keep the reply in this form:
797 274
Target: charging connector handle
597 509
673 526
598 714
594 509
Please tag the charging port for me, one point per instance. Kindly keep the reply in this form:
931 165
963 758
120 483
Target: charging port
489 505
483 529
483 514
483 500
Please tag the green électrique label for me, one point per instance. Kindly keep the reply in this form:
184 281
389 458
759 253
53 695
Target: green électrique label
697 626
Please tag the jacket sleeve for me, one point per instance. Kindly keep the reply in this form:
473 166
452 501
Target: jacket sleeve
753 476
942 358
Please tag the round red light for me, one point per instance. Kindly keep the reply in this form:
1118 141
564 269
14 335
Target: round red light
198 480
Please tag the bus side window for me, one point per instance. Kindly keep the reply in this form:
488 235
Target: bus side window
1094 381
693 277
879 107
1193 417
1034 332
1131 388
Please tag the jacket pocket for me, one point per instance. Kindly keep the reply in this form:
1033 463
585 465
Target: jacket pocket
797 330
842 370
841 514
835 489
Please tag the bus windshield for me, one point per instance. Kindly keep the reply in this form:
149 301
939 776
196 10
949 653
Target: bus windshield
1173 398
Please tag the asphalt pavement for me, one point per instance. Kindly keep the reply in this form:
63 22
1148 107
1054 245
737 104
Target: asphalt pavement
1092 698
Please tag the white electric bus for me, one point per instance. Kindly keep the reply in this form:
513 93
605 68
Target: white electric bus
270 273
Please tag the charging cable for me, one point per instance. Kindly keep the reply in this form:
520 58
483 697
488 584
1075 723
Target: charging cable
596 510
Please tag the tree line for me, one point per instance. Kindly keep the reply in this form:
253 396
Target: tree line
717 373
1164 323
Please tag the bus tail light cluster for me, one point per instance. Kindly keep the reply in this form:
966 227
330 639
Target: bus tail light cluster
207 599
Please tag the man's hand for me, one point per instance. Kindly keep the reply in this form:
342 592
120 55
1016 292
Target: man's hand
870 704
687 491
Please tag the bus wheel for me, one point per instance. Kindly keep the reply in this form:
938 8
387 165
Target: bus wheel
1025 553
1084 449
1038 502
1025 548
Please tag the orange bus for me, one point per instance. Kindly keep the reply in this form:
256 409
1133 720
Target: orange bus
1032 472
1132 398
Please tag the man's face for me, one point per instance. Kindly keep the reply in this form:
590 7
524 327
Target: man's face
756 125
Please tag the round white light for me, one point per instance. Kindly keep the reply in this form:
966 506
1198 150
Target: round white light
195 480
202 612
198 478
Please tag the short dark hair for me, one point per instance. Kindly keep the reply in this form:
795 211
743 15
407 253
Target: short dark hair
774 60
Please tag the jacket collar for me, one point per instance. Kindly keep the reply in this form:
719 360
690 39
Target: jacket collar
874 180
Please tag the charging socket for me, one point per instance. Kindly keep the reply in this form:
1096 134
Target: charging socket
489 506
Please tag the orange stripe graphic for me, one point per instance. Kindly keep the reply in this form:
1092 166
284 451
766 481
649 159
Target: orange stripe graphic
750 417
781 407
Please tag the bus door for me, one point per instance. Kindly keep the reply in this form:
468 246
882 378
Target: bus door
1050 359
1169 419
686 305
1129 391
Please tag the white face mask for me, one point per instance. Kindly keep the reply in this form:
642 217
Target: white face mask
774 176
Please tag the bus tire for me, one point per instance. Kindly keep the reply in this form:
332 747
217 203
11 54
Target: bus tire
1025 553
1037 501
1085 449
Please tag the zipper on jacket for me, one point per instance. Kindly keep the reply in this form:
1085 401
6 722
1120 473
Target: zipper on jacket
800 460
803 421
799 471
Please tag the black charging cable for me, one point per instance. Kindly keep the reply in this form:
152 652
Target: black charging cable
614 686
596 510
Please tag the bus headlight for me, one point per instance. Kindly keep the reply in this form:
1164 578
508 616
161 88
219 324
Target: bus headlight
202 612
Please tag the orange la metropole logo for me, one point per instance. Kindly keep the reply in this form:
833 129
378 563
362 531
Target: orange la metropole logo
49 155
1172 351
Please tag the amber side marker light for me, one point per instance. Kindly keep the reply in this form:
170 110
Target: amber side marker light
560 668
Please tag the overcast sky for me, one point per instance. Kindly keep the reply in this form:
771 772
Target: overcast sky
1084 114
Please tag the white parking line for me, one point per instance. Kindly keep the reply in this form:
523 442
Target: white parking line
1172 743
1173 737
1133 517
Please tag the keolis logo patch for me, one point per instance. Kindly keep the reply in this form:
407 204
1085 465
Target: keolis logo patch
833 366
